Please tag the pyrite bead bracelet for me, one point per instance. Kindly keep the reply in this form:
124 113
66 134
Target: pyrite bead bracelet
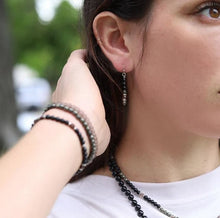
82 118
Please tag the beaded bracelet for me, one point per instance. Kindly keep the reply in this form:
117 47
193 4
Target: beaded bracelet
76 130
82 118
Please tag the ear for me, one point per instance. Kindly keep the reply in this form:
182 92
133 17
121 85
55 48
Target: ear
112 34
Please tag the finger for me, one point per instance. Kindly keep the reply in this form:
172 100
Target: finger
78 54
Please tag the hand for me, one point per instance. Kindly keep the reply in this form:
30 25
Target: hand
77 87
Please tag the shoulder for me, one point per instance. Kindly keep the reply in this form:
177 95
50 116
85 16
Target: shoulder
84 197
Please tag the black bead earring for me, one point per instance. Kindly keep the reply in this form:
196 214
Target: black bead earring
124 88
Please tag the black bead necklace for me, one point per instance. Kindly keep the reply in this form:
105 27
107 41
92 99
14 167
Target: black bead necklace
126 184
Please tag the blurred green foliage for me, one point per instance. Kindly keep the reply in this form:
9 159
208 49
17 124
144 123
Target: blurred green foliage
43 47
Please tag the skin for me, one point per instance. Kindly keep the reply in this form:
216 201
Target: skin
174 101
37 168
174 109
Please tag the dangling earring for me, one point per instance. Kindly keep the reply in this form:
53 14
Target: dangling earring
124 88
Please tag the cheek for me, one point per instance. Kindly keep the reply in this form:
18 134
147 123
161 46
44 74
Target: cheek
182 74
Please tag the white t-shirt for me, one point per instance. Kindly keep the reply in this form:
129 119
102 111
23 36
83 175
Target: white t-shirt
100 197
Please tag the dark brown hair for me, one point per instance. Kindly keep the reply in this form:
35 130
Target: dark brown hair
107 78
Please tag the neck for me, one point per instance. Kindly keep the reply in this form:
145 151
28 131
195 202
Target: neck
153 151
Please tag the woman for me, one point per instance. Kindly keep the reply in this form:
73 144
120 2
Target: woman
164 132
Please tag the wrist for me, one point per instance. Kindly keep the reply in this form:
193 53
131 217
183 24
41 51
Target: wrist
66 116
85 123
81 118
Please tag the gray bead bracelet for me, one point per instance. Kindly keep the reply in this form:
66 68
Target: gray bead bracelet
82 118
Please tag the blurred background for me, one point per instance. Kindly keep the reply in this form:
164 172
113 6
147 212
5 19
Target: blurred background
36 38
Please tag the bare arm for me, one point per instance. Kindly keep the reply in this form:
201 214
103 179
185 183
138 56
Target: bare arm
35 170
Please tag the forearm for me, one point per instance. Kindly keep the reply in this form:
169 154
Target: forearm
34 172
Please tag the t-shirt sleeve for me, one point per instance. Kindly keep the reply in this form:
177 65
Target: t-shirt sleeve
69 205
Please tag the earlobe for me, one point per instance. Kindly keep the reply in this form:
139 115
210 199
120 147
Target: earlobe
110 32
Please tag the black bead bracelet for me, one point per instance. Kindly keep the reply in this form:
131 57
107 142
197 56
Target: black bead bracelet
76 130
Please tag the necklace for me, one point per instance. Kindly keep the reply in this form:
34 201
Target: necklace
126 184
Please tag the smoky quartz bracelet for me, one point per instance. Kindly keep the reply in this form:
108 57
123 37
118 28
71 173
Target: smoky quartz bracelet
76 130
82 118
